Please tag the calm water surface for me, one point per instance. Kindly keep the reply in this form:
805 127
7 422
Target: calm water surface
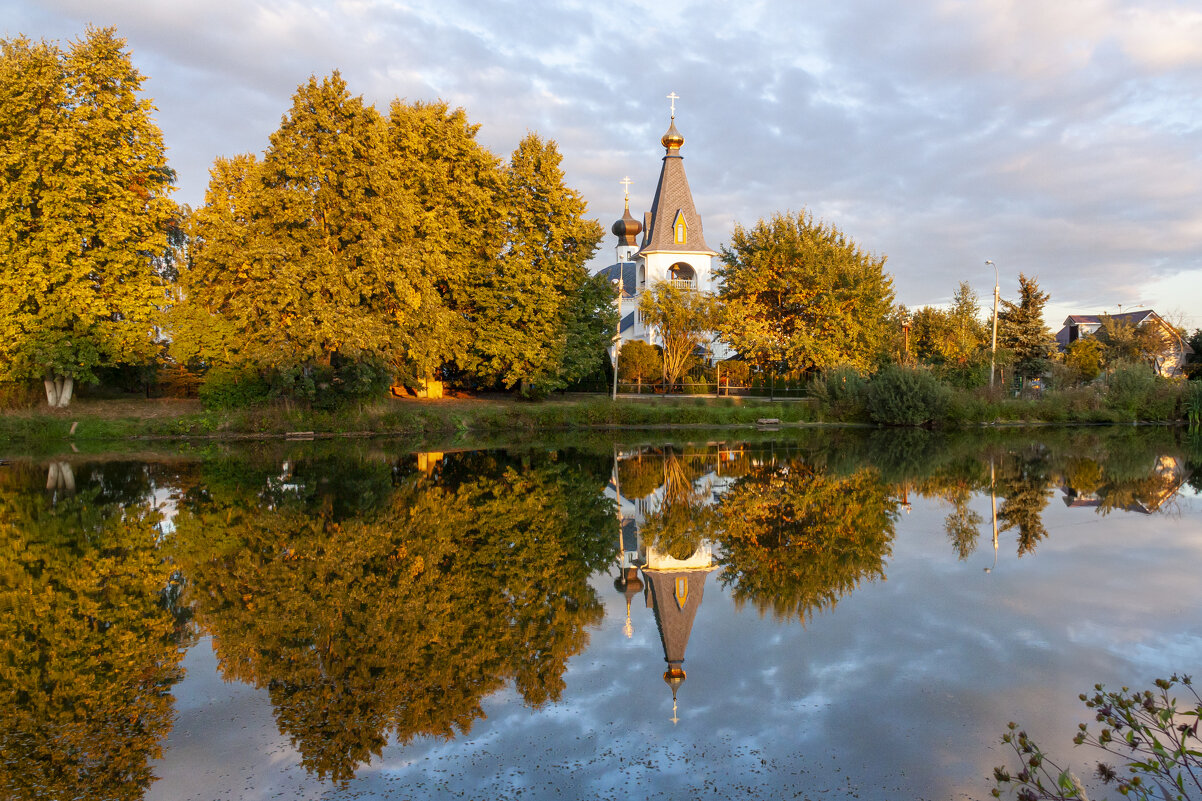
826 615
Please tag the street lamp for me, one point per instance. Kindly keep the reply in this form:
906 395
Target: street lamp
996 293
617 282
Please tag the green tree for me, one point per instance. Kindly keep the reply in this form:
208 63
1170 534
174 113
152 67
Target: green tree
953 336
682 318
1147 343
538 297
1193 365
84 212
639 361
1022 331
801 293
795 539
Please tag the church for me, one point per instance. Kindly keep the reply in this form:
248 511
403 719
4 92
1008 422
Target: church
672 247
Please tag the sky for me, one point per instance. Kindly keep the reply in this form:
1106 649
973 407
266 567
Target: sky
1060 140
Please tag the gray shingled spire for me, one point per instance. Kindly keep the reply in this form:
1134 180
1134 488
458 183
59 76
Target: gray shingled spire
672 197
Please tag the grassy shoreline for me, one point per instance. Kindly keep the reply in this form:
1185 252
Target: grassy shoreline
96 421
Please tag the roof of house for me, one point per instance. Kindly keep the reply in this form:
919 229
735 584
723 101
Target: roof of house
1133 318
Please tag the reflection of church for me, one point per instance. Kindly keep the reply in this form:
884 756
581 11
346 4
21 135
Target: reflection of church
672 588
672 247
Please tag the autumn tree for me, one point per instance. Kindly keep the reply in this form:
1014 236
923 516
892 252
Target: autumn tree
800 293
458 228
681 318
84 211
298 253
1022 331
1084 356
537 311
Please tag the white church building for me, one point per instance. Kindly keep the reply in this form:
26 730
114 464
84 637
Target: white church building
672 246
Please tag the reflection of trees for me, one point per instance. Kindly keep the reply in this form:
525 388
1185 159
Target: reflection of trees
682 519
794 539
399 620
89 649
962 524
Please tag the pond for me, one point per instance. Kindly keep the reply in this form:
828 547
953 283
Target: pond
815 614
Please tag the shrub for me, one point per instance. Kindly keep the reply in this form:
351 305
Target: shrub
233 388
1191 401
905 396
840 390
19 395
1128 388
1155 738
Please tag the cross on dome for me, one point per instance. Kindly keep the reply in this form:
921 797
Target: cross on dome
673 97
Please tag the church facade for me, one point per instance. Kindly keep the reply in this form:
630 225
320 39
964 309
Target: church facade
668 245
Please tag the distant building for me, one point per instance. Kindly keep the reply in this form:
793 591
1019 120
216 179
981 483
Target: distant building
672 247
1169 364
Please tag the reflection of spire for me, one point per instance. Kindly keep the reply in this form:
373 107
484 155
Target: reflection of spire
675 596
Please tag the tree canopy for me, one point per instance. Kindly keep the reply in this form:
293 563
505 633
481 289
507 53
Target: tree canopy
799 293
681 317
84 211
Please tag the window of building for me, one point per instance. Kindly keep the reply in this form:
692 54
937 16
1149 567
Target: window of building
679 229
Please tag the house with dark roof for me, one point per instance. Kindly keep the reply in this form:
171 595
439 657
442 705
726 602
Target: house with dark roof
1168 364
672 247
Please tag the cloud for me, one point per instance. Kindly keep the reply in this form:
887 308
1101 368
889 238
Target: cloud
1056 139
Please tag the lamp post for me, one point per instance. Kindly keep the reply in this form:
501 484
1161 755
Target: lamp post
617 282
996 294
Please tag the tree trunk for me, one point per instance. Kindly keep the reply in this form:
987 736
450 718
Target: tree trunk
58 391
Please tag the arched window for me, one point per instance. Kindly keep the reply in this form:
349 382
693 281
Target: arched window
681 271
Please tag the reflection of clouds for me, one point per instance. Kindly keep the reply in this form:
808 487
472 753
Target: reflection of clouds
901 691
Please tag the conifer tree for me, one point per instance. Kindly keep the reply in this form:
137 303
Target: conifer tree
1021 329
529 307
84 211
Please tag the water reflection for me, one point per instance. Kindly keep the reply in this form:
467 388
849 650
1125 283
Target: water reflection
91 631
377 596
377 601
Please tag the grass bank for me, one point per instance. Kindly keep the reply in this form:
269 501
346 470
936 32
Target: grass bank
114 420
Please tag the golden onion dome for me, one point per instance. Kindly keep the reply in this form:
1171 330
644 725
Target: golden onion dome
672 140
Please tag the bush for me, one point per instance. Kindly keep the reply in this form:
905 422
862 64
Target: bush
905 396
1148 731
840 390
1191 402
233 388
20 395
1129 387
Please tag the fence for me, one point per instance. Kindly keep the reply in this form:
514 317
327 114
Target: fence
784 390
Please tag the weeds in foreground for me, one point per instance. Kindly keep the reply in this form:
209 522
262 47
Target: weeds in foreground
1157 740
